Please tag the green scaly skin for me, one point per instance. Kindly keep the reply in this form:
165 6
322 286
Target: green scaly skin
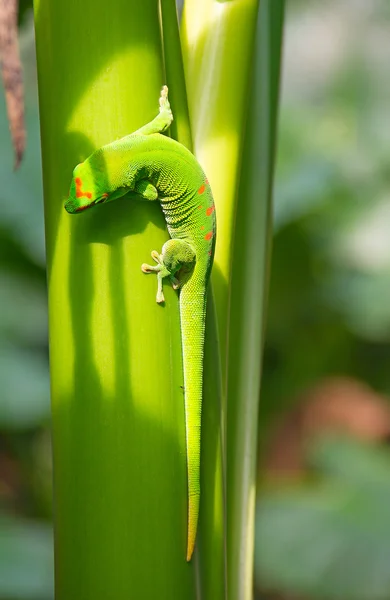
159 168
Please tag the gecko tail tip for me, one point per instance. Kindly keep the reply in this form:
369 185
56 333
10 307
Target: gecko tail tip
190 551
191 542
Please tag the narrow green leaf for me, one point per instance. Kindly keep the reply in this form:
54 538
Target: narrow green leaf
217 41
253 231
174 71
211 530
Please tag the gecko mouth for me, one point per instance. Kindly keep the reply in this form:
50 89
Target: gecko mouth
70 207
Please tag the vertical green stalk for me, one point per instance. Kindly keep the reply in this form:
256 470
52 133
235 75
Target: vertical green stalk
174 71
249 293
211 542
223 86
217 40
117 403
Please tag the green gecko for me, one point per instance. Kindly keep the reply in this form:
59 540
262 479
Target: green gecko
159 168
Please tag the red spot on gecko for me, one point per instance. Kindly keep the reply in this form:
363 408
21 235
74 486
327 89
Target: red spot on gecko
105 195
199 207
210 210
202 227
206 181
79 191
201 189
208 235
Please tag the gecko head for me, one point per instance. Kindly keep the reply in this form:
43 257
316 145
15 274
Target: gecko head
87 188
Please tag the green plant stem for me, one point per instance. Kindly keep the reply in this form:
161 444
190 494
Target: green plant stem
174 71
217 41
117 404
211 544
253 236
212 518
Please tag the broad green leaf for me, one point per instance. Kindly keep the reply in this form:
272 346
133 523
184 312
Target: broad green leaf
120 480
249 289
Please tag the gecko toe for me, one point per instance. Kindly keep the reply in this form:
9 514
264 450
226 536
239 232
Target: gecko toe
156 256
160 298
149 269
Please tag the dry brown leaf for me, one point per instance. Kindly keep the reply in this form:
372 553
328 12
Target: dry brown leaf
11 70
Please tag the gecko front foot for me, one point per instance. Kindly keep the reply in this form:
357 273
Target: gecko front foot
165 107
162 121
157 258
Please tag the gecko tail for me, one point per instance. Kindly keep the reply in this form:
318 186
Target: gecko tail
193 474
193 513
192 320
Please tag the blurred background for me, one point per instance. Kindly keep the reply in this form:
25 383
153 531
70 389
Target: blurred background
323 518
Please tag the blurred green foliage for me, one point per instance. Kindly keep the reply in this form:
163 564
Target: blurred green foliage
329 296
328 306
330 538
26 560
328 310
26 555
23 320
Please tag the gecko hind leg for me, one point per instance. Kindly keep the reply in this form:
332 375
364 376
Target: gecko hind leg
175 255
164 118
